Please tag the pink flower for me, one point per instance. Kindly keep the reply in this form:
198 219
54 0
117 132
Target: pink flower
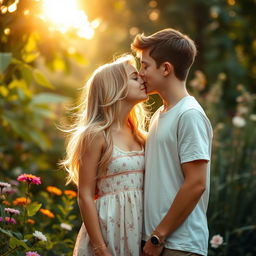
8 219
32 254
12 211
9 190
216 241
29 178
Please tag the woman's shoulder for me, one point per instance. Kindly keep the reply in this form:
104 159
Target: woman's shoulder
98 141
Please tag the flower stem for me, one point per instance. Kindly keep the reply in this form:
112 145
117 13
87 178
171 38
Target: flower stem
10 251
25 207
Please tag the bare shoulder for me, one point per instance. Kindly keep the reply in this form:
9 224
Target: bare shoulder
98 142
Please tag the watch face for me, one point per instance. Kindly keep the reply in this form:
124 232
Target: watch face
154 240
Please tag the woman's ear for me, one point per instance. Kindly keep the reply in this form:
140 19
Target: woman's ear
167 68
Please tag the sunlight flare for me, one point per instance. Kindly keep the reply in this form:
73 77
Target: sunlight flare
65 15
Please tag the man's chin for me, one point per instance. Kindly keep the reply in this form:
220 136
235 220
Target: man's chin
150 92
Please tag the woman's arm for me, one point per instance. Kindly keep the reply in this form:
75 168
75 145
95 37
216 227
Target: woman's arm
86 191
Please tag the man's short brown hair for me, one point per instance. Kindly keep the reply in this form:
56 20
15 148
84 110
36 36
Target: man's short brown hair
168 45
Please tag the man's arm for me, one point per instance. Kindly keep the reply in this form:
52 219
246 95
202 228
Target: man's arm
185 201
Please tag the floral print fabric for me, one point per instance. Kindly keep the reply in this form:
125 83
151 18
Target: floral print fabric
119 205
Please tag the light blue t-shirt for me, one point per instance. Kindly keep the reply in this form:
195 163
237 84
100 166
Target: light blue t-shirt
180 135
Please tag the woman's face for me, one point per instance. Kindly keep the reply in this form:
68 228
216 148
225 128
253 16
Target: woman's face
136 91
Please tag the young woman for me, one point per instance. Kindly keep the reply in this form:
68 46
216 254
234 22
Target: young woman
105 158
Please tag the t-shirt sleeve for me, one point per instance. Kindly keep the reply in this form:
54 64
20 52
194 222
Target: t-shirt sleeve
194 136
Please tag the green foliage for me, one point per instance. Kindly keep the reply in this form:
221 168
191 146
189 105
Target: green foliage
28 107
54 218
232 196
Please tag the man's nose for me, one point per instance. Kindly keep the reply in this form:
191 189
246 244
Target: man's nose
140 80
141 73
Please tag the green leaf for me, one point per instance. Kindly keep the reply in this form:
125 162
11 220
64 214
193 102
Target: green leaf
72 217
14 242
29 57
8 233
9 118
44 112
45 98
62 209
42 80
5 60
33 208
27 72
40 139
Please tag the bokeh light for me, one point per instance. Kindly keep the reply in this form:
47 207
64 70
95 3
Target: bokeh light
154 15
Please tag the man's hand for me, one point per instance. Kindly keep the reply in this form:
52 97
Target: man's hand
150 250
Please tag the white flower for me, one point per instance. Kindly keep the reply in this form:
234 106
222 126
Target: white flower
66 226
238 121
216 241
242 110
12 211
39 235
4 184
253 117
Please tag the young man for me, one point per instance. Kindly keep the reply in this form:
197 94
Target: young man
178 150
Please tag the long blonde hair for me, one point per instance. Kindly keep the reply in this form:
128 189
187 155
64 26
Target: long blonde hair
99 109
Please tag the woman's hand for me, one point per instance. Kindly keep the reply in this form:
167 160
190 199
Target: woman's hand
102 251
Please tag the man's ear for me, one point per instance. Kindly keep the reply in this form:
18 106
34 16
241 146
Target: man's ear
167 68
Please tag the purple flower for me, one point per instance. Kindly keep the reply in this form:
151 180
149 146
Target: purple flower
9 190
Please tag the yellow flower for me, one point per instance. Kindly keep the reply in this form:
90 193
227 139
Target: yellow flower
3 91
48 213
21 201
70 193
54 190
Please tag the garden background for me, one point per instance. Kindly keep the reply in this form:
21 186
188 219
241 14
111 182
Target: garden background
48 49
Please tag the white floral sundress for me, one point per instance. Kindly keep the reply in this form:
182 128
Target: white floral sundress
119 205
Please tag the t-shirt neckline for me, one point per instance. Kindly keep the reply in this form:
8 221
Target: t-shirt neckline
175 106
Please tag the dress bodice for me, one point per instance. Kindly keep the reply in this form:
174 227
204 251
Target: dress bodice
124 173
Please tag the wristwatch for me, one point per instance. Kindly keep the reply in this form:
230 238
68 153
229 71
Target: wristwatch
155 240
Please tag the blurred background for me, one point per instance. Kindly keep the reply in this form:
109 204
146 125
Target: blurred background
49 48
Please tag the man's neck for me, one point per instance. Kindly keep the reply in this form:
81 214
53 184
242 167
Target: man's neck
173 93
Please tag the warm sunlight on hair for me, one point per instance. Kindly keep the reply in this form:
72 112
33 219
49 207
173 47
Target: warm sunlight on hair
65 15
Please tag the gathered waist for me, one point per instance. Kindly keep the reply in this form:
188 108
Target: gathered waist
120 182
127 172
118 192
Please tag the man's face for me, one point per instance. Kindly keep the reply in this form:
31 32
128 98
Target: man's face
149 72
